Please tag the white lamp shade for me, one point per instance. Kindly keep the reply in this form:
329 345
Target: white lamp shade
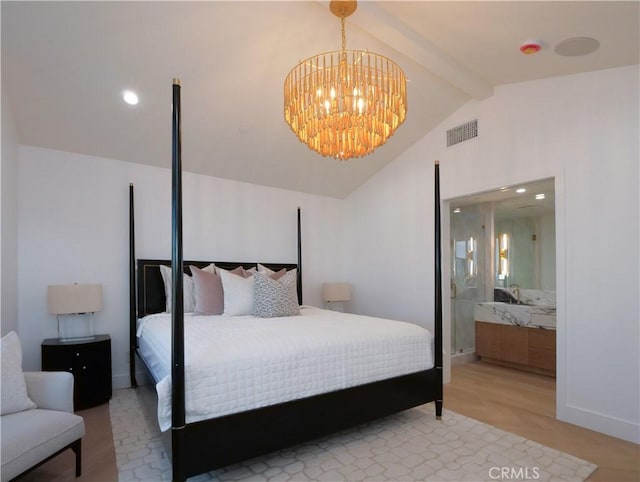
71 299
336 292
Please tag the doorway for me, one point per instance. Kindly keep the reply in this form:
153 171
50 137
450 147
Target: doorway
501 242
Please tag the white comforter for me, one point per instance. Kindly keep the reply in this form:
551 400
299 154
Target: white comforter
233 364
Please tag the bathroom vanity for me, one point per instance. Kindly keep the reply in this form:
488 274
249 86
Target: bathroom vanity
517 336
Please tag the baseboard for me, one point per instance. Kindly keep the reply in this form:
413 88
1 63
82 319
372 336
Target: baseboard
123 381
622 429
461 358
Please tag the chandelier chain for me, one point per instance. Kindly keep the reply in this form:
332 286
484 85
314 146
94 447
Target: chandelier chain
344 35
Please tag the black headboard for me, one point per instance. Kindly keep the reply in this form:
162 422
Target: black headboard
147 294
151 294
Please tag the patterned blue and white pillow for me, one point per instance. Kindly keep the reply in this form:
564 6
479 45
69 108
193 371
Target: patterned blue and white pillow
276 297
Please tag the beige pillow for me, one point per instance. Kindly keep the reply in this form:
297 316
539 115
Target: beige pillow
271 273
14 388
208 292
263 269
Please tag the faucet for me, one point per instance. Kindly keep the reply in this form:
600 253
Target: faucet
515 289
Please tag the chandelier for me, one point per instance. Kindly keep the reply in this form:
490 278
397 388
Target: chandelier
345 103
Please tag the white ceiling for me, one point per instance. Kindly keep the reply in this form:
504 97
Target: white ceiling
65 65
508 203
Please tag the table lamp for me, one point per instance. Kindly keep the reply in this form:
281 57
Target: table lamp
74 306
333 293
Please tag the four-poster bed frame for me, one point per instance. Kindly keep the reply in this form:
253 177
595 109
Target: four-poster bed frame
208 444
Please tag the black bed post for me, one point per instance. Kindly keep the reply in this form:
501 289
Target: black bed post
132 292
438 292
299 277
178 439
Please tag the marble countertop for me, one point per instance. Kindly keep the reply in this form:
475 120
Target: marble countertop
516 314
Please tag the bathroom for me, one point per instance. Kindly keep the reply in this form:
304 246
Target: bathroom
502 276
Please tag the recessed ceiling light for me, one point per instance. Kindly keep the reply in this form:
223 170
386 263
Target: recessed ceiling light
540 196
573 47
130 97
456 210
520 190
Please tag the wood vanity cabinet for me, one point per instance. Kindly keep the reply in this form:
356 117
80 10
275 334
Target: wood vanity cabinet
532 349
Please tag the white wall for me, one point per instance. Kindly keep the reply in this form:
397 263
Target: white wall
389 241
547 253
583 131
73 227
9 237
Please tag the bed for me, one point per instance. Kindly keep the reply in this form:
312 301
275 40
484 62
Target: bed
224 429
240 363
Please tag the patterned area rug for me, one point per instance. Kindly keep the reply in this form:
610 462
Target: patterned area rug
410 446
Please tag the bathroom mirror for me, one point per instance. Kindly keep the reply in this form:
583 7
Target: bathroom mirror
514 229
524 237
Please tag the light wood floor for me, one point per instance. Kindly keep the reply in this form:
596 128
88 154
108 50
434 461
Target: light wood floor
98 453
525 404
515 401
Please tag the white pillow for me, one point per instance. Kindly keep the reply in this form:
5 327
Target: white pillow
263 269
188 290
238 293
14 388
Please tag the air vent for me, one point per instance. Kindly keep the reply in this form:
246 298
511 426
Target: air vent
462 133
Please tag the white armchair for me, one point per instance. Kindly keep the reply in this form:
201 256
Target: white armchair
31 437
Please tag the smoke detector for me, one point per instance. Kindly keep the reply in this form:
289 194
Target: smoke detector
531 47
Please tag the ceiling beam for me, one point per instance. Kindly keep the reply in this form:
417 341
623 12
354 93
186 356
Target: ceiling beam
382 25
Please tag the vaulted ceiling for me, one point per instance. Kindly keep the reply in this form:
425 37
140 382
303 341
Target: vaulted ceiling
65 65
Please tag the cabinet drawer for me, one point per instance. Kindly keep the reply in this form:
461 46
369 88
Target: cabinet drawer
532 349
90 363
515 344
488 340
540 338
71 358
542 358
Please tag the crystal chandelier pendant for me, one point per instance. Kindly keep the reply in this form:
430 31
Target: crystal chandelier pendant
345 103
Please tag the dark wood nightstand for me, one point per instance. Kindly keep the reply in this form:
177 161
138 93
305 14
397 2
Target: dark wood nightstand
90 363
